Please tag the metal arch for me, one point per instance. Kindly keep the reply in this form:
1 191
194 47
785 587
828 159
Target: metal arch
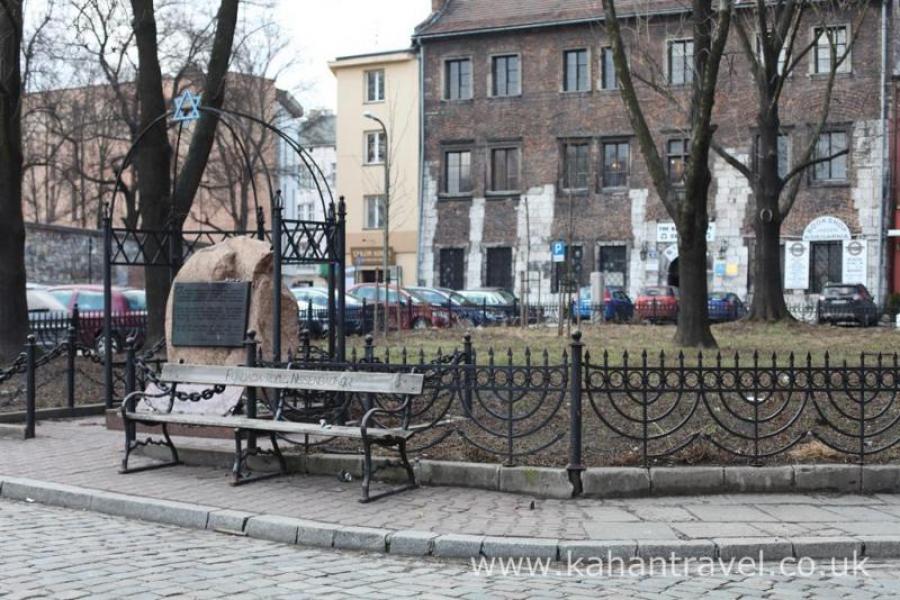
247 165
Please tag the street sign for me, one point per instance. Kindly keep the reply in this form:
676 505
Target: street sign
558 251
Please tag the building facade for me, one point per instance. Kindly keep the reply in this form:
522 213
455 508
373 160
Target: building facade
527 142
384 86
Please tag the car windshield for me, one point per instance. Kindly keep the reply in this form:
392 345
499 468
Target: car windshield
64 296
718 296
137 299
460 300
655 291
585 293
508 298
838 291
39 300
428 295
489 298
88 300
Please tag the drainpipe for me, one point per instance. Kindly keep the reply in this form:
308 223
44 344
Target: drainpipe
886 218
420 254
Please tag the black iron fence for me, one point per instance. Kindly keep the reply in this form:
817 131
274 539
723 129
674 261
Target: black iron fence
576 409
51 328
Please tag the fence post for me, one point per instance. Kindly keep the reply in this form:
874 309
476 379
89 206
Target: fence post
575 466
469 360
364 322
130 385
304 343
30 409
250 345
71 351
369 359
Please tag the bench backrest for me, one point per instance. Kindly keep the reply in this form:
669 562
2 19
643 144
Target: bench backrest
325 381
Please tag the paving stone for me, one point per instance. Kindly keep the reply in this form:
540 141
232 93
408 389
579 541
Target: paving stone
538 481
768 548
613 482
457 546
686 480
314 533
680 548
590 549
276 529
411 542
228 520
759 479
361 538
826 547
511 547
476 475
831 478
880 479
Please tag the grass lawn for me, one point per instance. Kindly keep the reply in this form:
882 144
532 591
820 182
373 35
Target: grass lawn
842 343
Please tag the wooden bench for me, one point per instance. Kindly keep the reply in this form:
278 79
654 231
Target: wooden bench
402 385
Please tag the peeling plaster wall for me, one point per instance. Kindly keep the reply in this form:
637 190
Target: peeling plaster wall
642 232
534 227
867 159
429 227
476 233
732 195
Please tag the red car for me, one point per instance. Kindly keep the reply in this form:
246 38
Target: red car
405 310
89 299
657 303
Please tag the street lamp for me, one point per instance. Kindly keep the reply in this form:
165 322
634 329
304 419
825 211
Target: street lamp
387 190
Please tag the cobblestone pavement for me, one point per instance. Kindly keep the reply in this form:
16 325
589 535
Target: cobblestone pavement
84 453
67 554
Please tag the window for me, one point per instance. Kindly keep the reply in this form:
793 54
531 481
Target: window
576 73
458 79
834 169
615 164
825 264
458 172
576 165
784 154
452 265
828 38
677 152
498 271
614 264
375 86
608 80
374 212
504 169
569 275
681 62
375 148
505 76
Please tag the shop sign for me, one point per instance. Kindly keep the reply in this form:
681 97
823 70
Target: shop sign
796 265
826 228
855 262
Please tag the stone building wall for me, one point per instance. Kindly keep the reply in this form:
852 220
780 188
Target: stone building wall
542 116
61 255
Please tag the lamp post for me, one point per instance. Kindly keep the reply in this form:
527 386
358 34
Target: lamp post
387 191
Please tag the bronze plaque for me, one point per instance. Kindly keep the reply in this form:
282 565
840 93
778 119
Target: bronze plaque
210 315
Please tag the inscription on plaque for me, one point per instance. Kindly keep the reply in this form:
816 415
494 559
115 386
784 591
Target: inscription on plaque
210 314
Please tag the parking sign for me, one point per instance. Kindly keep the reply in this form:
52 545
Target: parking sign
558 251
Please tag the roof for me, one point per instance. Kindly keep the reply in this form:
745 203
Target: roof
386 56
460 17
318 129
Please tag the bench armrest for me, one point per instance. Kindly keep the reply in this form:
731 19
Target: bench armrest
403 408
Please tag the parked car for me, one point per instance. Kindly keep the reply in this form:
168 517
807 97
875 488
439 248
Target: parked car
657 303
847 302
137 299
405 310
725 306
312 304
617 306
500 300
89 299
40 300
462 310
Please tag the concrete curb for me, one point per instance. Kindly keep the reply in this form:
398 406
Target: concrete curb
288 530
14 432
601 482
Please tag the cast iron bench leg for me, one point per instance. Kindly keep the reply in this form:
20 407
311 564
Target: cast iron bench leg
131 444
241 455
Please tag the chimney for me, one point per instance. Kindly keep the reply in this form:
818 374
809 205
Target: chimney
437 5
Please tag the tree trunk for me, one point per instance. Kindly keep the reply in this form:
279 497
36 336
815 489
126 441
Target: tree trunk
13 304
152 163
693 302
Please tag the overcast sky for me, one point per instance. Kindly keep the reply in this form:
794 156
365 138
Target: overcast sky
321 30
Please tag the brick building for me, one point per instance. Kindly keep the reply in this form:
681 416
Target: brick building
526 141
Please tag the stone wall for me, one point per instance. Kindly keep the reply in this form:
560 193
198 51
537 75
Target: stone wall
60 255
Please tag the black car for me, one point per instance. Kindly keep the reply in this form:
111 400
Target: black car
847 303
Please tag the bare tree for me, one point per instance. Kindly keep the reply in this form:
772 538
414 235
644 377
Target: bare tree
772 43
685 200
13 306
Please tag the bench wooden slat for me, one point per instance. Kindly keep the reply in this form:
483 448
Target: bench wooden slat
325 381
267 425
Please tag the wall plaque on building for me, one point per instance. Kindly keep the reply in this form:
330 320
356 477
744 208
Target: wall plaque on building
667 233
826 228
210 314
855 263
796 265
370 256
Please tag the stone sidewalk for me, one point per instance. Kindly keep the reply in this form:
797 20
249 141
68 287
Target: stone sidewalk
84 454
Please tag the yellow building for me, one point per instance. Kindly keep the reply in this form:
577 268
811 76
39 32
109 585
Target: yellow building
371 88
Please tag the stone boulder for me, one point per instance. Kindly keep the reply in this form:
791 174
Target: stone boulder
237 259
